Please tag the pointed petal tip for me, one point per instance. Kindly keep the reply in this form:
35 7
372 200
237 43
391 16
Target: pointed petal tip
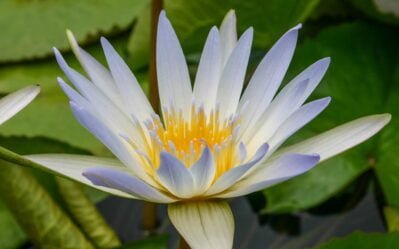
231 12
62 83
164 154
207 150
73 42
162 13
326 100
70 36
324 62
380 120
162 18
167 157
104 41
36 89
327 59
297 27
94 180
75 106
315 158
249 31
264 148
56 51
384 117
214 29
230 16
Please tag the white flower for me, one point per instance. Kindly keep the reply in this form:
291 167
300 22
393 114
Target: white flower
16 101
210 144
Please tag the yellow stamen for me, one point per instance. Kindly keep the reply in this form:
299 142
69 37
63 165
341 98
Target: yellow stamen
186 139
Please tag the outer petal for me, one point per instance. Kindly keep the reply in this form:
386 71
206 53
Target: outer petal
297 120
114 142
175 177
233 175
207 224
203 171
286 103
16 101
209 72
100 103
273 172
228 34
339 139
232 79
173 77
72 166
129 88
125 182
98 74
268 76
313 74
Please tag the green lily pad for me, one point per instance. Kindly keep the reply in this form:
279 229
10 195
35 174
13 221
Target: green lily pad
359 80
31 28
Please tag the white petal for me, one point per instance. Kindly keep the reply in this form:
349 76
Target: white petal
314 73
203 171
16 101
233 175
267 77
119 147
129 88
98 74
100 103
232 79
286 103
339 139
125 182
175 177
72 166
73 95
209 72
242 151
204 224
173 77
297 120
281 169
228 35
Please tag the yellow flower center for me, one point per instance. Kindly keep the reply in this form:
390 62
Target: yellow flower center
186 139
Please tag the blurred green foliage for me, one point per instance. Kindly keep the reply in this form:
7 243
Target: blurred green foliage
361 36
364 241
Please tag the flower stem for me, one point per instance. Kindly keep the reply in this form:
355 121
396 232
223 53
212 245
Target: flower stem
149 217
86 214
156 7
149 212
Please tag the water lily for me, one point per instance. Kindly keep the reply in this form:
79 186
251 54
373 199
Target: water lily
211 143
14 102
